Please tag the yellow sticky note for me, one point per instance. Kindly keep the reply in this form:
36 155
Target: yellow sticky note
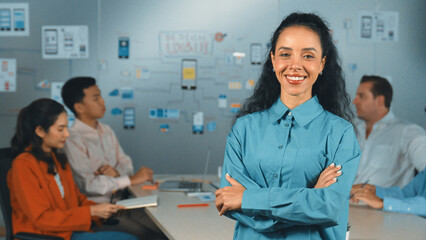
188 73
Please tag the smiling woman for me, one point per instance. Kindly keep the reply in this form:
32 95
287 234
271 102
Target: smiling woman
297 62
291 142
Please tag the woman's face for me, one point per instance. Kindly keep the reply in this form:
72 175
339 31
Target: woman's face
297 62
57 134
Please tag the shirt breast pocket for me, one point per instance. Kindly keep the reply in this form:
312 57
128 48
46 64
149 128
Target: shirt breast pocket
381 156
308 166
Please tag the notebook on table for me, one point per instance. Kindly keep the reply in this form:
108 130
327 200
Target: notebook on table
185 186
147 201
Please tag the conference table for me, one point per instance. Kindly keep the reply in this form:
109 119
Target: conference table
205 223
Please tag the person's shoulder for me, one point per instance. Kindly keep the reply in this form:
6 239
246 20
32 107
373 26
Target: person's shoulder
337 122
24 159
253 117
403 124
251 120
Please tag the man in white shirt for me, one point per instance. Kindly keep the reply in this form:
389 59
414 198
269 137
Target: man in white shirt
391 149
99 164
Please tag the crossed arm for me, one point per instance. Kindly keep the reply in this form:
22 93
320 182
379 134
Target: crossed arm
230 198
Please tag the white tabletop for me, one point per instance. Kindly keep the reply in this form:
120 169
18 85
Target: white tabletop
368 223
186 223
204 222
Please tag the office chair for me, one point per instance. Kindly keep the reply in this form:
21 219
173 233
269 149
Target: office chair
6 159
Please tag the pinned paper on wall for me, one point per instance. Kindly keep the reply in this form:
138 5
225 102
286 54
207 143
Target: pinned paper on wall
125 73
222 102
8 75
185 44
250 84
55 94
44 84
189 74
143 73
123 47
126 93
228 58
238 56
14 20
378 26
114 93
159 113
256 53
211 126
102 65
235 107
65 42
234 85
198 123
116 111
129 121
164 128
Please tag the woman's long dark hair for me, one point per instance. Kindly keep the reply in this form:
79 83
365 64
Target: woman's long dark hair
330 87
42 112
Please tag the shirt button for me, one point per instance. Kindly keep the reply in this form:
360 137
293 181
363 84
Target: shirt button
286 125
289 113
390 207
280 146
408 209
275 175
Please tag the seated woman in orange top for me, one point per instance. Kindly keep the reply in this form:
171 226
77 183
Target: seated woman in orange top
43 194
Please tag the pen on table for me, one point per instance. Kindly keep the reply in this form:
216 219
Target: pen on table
112 197
193 205
364 183
360 187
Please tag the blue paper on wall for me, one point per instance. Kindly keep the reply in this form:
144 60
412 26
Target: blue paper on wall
114 93
116 111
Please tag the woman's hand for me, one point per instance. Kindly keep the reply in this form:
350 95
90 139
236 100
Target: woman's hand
229 198
104 210
328 176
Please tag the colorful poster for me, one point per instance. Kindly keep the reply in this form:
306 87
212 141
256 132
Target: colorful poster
233 85
164 128
185 44
189 67
65 42
250 84
235 107
222 102
198 123
378 26
14 20
8 75
159 113
55 94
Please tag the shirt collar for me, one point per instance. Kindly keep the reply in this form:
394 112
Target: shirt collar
83 127
389 117
303 114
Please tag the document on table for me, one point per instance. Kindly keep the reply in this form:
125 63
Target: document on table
147 201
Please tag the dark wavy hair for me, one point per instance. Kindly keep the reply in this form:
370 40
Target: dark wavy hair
330 87
73 90
42 112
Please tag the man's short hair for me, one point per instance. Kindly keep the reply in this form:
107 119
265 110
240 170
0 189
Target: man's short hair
381 86
72 91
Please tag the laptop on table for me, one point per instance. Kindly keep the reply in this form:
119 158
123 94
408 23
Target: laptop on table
185 186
